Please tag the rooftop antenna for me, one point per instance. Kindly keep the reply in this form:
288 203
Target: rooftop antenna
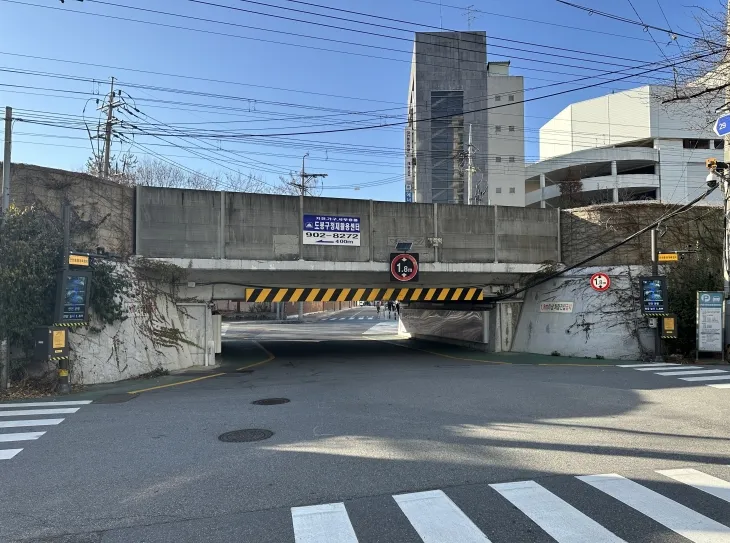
470 15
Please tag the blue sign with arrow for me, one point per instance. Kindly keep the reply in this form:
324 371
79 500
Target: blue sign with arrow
722 125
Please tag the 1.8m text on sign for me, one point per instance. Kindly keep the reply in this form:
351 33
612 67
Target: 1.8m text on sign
331 230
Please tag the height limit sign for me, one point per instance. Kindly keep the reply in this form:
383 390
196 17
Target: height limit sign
404 267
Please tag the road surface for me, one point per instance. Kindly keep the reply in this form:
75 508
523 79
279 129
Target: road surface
381 440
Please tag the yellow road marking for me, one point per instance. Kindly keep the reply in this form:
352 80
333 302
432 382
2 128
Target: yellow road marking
269 359
175 384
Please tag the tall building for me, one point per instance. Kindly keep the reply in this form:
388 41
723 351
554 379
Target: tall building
454 91
621 147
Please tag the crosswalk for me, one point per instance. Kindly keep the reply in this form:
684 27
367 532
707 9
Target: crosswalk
434 517
349 319
711 377
24 416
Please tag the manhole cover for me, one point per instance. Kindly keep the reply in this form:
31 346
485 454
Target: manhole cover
243 436
116 398
271 401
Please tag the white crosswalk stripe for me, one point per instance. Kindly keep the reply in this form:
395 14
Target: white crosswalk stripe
683 373
707 483
326 523
20 436
558 518
690 372
14 415
675 516
437 519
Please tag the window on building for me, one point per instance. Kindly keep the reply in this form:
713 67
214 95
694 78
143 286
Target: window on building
511 190
498 159
498 128
498 190
447 134
511 159
511 128
695 144
498 98
511 97
719 144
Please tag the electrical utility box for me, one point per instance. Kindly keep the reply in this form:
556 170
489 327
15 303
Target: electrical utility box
50 343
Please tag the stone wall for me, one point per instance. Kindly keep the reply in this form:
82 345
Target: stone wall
587 230
102 211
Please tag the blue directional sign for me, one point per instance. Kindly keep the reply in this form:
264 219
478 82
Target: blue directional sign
722 125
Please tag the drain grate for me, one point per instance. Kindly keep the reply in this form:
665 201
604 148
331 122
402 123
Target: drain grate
271 401
245 436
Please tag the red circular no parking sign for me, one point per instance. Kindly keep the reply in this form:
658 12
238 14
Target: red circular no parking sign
404 267
600 281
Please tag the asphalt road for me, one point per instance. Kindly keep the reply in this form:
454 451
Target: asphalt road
378 443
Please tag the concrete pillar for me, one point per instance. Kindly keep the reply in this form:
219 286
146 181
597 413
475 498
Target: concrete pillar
222 228
542 190
615 195
614 169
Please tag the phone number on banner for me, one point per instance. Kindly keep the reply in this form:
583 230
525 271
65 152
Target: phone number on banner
331 238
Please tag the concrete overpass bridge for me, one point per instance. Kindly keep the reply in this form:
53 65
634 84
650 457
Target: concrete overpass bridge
257 246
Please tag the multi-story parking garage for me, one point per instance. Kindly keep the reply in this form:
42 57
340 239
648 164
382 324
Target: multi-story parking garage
621 147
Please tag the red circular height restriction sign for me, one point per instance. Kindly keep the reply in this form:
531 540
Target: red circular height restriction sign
404 267
600 281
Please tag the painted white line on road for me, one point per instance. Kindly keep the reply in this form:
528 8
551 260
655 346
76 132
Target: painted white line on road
701 481
370 318
343 318
709 378
327 523
692 372
720 385
559 519
44 404
669 513
360 318
224 329
32 422
26 412
660 367
352 318
7 454
437 519
645 365
20 436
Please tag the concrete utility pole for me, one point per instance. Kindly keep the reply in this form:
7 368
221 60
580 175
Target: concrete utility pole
7 160
108 131
655 272
726 204
469 185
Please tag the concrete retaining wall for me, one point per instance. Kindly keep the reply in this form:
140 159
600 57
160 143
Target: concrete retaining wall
607 324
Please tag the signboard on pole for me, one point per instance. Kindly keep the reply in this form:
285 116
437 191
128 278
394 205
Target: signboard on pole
722 125
709 321
72 297
404 267
669 327
668 257
653 295
331 230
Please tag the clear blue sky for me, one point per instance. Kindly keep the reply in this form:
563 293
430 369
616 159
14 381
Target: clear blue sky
303 75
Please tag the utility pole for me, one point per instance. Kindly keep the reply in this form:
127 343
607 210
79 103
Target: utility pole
305 178
63 385
655 272
726 206
4 343
304 188
109 107
469 185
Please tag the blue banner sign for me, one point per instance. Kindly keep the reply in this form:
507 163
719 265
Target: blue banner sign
331 230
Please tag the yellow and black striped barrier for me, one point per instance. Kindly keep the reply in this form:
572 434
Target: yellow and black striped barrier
462 294
70 324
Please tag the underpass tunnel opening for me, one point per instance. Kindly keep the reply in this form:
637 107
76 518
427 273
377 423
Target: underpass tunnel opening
329 321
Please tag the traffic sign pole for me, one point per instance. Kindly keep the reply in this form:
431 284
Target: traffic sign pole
655 271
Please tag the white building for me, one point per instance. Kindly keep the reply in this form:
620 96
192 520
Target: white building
453 88
621 147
